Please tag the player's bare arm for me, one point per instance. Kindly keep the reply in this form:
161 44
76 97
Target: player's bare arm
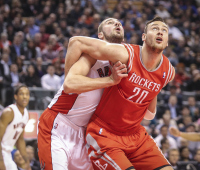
77 82
6 117
98 49
21 146
189 136
151 110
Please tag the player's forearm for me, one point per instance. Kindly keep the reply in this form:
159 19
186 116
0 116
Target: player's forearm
21 146
1 156
79 84
152 105
190 136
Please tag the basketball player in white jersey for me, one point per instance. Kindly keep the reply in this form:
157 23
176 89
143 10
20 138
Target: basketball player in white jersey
12 122
62 125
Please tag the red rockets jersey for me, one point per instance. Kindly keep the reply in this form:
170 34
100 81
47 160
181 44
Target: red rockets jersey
123 106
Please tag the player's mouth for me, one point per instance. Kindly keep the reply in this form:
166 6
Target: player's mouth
118 29
159 39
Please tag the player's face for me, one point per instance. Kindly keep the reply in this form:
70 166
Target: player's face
113 31
23 96
157 36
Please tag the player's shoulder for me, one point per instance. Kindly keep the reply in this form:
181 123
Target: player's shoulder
7 114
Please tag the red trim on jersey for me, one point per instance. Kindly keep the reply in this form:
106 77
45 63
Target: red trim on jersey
64 103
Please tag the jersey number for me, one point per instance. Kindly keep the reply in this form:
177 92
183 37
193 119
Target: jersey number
16 133
141 97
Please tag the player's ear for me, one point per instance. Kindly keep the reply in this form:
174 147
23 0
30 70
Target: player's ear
100 35
15 96
144 37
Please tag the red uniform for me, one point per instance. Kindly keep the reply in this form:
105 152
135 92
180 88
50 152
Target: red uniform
116 138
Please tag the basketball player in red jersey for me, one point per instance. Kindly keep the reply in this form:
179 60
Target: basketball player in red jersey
115 138
62 126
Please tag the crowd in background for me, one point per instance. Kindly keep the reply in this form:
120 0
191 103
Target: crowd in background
34 36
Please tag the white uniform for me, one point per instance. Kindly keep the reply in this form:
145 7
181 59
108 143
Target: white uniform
73 113
12 133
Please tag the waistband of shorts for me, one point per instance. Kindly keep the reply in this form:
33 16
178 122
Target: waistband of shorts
104 125
62 118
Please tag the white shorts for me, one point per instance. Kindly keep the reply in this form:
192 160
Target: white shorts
8 161
67 146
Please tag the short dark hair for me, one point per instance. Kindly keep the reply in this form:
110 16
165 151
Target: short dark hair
155 19
163 126
19 87
164 140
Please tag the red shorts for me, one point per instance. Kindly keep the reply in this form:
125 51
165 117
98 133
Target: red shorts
108 151
45 126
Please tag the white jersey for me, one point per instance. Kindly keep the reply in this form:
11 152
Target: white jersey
14 129
78 108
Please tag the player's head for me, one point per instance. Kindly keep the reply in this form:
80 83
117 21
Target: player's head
155 34
111 30
22 95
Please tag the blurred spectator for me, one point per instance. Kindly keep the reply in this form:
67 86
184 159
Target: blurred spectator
38 41
194 83
185 154
50 81
192 145
194 109
48 54
33 29
187 57
40 69
10 32
4 65
31 79
17 25
29 9
197 158
16 49
173 91
53 41
184 112
20 65
58 67
176 33
181 77
164 146
161 11
178 49
173 107
4 43
173 157
18 159
164 134
35 165
166 120
44 35
32 51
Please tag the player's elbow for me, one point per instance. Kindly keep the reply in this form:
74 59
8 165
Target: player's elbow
68 86
74 41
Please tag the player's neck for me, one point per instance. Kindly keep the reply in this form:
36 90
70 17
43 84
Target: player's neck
150 59
21 109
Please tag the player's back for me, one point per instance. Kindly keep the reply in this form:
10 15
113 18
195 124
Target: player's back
78 108
122 107
15 128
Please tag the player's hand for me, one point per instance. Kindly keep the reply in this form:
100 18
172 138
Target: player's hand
119 71
174 131
2 165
